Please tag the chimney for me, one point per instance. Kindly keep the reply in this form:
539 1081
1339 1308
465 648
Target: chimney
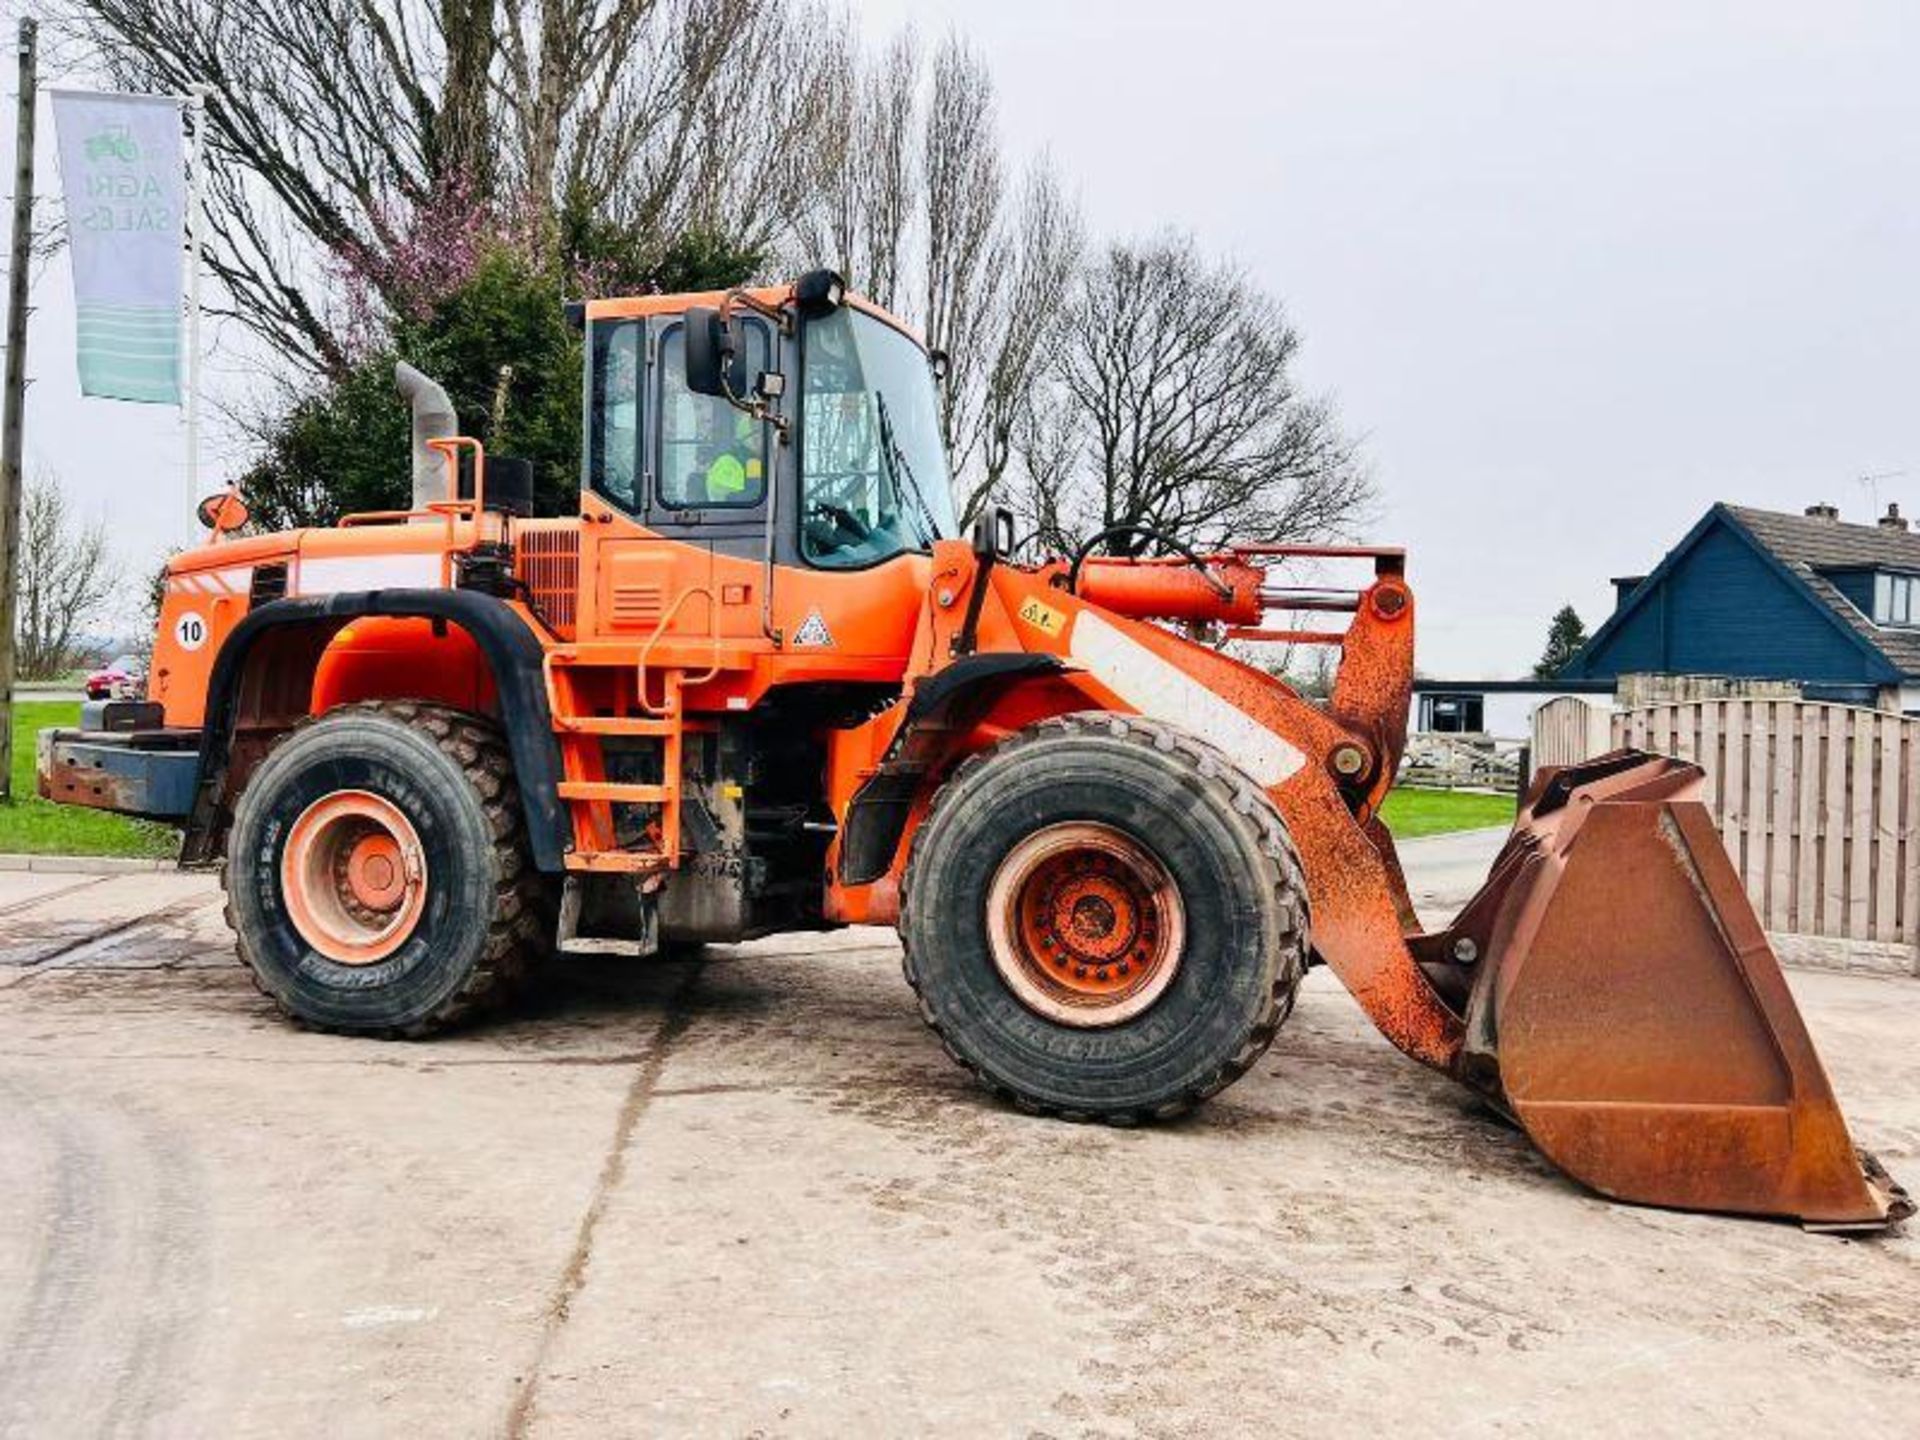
1893 519
1823 511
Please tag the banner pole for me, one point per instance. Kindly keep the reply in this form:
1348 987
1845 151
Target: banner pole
13 420
196 208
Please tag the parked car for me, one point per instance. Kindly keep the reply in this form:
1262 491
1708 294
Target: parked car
121 679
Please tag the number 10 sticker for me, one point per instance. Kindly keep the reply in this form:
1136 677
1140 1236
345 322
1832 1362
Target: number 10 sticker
190 631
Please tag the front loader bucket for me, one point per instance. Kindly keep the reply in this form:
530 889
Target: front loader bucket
1623 1005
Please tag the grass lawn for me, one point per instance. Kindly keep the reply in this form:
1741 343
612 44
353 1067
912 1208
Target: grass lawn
32 826
1412 813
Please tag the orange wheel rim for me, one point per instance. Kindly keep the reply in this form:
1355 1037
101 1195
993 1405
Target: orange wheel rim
1085 925
354 877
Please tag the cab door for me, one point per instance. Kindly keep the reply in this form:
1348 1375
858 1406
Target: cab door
678 490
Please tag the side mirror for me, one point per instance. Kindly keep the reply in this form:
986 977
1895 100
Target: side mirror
993 533
716 364
223 512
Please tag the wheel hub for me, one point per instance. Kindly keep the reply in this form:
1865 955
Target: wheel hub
354 877
1084 924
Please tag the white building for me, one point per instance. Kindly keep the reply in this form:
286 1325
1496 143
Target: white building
1502 709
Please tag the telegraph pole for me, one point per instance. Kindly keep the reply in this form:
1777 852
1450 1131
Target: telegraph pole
13 416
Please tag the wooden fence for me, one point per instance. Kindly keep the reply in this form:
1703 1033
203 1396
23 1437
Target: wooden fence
1567 731
1456 762
1819 806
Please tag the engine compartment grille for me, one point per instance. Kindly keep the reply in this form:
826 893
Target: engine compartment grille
546 560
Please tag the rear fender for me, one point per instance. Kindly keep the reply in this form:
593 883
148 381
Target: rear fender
269 675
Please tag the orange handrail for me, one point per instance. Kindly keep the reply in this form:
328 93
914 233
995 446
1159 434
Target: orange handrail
659 632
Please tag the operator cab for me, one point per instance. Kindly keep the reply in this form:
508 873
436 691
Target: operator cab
807 432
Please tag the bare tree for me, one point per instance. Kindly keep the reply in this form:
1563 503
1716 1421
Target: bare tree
963 263
830 230
1038 252
66 577
340 124
868 167
710 124
911 205
1175 382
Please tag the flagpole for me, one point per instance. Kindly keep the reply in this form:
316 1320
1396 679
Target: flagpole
13 420
196 218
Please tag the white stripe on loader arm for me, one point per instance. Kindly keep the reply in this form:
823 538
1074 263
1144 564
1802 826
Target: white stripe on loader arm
1161 690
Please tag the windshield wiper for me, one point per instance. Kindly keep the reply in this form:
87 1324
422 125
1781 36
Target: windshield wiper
928 527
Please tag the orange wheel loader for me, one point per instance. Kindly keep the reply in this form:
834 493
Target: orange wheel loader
759 684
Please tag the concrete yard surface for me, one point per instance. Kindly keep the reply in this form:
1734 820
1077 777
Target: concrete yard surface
749 1195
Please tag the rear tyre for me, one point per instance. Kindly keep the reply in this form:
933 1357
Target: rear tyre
377 874
1104 919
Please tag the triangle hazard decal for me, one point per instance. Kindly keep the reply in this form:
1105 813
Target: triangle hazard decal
813 631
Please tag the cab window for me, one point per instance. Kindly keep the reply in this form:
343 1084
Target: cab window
874 479
613 421
711 453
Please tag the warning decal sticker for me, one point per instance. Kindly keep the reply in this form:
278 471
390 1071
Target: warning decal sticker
813 631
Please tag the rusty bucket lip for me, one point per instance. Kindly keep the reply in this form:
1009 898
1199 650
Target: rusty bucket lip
1011 906
1899 1205
336 888
1820 1178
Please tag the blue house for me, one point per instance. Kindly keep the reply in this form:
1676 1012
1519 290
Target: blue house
1752 594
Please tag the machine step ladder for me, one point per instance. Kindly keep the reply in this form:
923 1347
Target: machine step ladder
590 795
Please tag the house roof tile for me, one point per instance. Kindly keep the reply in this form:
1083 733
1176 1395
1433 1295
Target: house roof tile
1807 546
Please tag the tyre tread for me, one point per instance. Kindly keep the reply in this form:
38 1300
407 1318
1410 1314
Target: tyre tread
477 745
1201 767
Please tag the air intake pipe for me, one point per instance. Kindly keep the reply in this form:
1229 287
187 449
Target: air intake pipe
433 419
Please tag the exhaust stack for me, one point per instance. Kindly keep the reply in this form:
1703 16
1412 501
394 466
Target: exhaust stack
433 419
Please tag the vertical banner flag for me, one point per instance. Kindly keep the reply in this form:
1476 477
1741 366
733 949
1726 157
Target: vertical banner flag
124 174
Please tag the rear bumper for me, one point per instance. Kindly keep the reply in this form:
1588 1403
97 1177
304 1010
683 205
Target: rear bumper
114 762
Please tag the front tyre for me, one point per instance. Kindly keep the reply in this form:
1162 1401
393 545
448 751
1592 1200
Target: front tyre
377 875
1104 918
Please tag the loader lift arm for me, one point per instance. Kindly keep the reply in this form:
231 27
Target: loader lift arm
1656 1056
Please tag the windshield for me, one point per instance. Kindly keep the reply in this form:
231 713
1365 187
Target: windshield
873 469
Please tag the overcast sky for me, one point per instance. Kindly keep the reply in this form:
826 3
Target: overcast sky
1573 272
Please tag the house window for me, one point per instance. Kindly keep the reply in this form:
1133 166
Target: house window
1450 714
1896 599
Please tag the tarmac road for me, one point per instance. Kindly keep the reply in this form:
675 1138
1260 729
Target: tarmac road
750 1196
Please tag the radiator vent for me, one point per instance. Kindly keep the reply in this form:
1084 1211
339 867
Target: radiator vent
547 561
